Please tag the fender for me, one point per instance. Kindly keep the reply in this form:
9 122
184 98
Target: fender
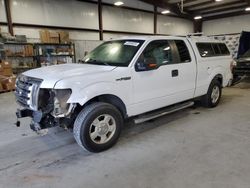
83 95
215 72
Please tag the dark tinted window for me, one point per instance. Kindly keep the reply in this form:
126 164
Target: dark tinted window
216 49
157 51
212 49
223 48
183 51
205 49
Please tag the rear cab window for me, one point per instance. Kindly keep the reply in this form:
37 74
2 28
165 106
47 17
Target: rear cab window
212 49
183 51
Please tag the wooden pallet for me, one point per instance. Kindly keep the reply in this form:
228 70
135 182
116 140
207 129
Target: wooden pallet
6 91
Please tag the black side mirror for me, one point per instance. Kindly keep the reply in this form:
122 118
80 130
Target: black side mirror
148 64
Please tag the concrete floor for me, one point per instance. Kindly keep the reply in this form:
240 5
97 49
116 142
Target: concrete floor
193 148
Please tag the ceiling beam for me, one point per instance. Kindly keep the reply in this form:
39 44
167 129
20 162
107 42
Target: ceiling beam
215 5
248 2
238 13
225 9
200 4
172 7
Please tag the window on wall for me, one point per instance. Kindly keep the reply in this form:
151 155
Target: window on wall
183 51
212 49
158 52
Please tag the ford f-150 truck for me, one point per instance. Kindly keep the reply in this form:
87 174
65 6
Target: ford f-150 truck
130 77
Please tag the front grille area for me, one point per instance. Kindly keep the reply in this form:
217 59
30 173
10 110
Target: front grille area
27 90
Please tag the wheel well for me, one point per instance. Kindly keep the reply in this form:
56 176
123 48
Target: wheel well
219 77
111 99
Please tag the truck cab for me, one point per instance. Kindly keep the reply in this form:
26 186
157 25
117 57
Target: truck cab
124 78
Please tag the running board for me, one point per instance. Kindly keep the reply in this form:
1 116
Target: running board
168 110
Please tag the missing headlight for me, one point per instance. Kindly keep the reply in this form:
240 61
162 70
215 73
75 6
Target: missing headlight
61 107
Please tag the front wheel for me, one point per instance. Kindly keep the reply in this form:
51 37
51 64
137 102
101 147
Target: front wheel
98 127
212 98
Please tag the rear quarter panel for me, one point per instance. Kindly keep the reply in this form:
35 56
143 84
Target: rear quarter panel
208 68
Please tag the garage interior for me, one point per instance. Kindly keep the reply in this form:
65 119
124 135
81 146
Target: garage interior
195 147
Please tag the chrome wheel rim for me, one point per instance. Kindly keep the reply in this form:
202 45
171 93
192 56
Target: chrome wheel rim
102 129
215 94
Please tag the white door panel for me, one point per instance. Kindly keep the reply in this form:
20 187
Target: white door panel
158 88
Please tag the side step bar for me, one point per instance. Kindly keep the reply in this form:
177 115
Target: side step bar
168 110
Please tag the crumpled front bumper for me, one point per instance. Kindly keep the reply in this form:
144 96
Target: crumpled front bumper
35 115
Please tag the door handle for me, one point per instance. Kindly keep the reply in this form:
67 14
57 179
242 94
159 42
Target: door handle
175 73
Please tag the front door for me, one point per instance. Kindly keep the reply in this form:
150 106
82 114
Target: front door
170 80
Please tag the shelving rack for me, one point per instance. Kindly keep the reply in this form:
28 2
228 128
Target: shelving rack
25 56
53 53
20 55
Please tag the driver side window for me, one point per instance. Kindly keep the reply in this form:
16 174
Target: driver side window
158 52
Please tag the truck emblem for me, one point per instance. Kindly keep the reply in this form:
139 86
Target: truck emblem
123 78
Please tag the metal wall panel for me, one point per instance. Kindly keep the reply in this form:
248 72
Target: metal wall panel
55 13
4 28
118 19
173 26
109 36
2 12
83 46
226 25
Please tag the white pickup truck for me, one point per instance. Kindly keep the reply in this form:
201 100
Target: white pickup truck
138 77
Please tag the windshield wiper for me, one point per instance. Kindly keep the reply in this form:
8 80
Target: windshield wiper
94 61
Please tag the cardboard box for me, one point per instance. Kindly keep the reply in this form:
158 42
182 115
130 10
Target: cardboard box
28 50
8 83
1 87
1 69
54 37
8 86
44 36
6 65
7 72
64 37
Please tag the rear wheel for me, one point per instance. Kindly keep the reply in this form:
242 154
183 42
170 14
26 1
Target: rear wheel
212 98
98 127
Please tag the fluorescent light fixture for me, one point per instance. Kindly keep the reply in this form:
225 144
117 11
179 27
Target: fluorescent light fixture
14 3
247 9
197 17
118 3
165 12
218 0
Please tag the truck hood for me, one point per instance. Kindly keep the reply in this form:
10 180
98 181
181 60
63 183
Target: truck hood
52 74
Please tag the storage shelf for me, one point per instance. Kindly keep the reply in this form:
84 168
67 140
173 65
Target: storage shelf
13 56
39 48
53 44
54 55
18 43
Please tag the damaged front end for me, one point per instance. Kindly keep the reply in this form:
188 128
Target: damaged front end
47 107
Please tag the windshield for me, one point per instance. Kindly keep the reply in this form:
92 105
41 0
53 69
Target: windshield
114 53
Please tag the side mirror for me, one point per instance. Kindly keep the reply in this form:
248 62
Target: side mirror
148 64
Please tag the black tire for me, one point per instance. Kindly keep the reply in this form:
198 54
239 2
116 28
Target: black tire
207 100
85 121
